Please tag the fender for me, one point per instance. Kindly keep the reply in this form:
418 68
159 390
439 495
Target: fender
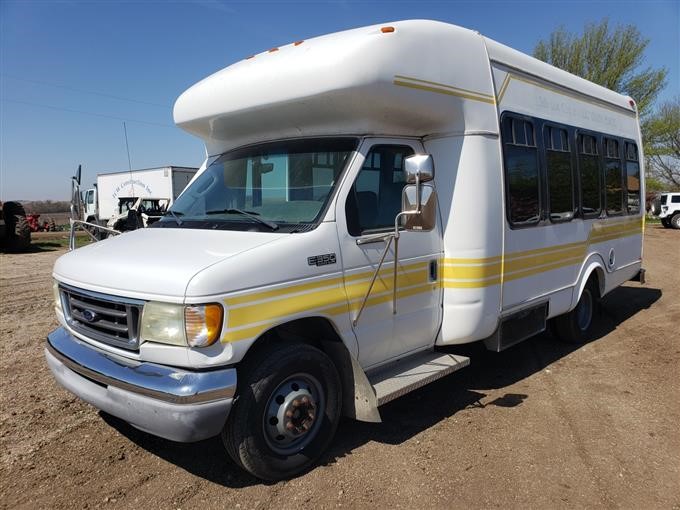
593 263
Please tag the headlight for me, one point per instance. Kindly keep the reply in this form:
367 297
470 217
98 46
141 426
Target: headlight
203 324
193 325
163 323
57 295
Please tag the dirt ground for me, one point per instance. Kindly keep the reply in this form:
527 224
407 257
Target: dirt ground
541 425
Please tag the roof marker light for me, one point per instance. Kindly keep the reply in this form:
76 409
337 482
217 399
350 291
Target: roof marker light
249 57
298 43
273 50
632 103
387 30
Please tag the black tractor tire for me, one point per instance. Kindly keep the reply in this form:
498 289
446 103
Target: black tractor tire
675 221
576 326
19 239
12 209
285 388
666 223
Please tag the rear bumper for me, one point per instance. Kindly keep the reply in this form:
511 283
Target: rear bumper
169 402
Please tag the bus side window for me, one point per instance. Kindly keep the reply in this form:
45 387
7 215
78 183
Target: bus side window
589 172
560 180
613 177
632 178
521 172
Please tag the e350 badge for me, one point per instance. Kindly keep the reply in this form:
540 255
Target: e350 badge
321 260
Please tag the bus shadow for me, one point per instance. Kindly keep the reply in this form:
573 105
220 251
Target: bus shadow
417 411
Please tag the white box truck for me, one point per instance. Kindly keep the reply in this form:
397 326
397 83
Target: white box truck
318 265
115 192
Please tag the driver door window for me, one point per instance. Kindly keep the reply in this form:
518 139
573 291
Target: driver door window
375 198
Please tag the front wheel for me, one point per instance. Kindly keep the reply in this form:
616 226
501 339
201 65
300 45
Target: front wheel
286 412
666 222
576 326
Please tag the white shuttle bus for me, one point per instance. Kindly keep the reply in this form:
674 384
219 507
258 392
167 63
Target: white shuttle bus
370 198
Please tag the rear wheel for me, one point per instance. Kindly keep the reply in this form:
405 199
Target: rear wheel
286 412
576 326
675 221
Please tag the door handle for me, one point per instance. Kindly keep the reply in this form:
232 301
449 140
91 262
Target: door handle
434 270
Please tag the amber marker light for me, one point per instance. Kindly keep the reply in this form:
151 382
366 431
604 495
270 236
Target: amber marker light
203 324
387 30
273 50
298 43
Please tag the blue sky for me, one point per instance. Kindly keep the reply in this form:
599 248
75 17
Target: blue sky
72 71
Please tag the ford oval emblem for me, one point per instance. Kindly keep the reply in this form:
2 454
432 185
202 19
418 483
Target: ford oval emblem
89 315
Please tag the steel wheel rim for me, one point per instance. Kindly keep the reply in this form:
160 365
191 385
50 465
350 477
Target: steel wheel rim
293 414
584 310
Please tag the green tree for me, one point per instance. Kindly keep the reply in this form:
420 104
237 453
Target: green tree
662 143
613 58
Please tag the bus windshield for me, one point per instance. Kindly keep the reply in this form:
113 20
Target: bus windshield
283 185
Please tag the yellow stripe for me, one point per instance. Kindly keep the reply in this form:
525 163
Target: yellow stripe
252 332
258 312
488 271
443 85
317 284
338 295
242 334
504 86
449 92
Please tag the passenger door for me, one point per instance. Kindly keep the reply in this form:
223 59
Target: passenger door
368 204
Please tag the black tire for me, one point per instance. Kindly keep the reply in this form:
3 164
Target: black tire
267 383
576 327
675 221
665 222
18 234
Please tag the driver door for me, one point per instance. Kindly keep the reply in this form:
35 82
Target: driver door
368 205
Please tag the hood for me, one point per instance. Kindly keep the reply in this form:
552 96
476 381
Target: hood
153 263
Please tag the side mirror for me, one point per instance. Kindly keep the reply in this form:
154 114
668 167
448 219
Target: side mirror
78 173
410 202
419 167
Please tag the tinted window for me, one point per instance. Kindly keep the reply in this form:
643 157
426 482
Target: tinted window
632 178
675 199
560 183
521 171
589 171
375 198
613 177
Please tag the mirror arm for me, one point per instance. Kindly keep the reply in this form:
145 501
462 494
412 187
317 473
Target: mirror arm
375 275
396 252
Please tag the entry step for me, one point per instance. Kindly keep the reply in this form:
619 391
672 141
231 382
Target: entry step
414 372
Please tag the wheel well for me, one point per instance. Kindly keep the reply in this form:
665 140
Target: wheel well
313 331
597 275
358 396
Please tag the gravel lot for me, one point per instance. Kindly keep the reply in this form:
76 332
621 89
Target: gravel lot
541 425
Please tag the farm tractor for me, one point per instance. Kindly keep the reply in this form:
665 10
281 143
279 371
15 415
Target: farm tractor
40 226
15 231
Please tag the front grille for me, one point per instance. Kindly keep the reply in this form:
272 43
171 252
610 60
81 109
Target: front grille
108 319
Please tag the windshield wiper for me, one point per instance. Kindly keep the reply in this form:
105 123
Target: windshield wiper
250 214
175 216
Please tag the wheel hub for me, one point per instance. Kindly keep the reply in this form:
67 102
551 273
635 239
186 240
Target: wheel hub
290 420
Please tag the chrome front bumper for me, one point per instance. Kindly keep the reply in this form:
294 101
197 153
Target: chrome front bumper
173 403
